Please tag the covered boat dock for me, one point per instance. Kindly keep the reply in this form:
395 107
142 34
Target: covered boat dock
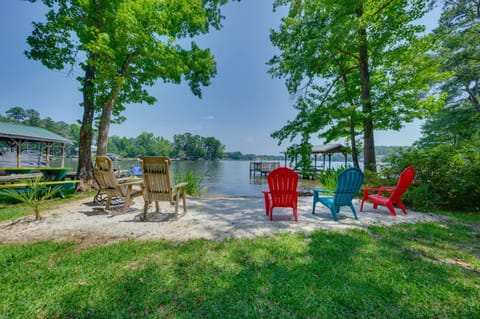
15 135
326 150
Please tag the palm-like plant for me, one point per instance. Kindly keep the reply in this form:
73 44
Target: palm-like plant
34 195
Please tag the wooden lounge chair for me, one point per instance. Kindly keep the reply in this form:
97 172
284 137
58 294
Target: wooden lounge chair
113 188
395 193
348 185
156 179
282 184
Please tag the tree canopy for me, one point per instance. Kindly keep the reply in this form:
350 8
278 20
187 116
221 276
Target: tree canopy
458 35
126 46
458 53
354 66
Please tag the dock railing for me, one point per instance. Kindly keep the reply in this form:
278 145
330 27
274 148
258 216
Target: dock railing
263 167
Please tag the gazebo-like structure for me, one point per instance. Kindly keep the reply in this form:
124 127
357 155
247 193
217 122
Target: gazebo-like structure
329 150
325 150
16 134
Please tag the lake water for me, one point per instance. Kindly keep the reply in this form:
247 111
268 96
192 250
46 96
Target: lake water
225 177
221 177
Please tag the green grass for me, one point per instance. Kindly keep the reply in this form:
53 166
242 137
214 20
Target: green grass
427 270
10 209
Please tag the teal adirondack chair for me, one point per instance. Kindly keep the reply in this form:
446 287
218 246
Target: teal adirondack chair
348 185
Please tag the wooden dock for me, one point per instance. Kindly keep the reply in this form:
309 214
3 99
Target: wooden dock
262 167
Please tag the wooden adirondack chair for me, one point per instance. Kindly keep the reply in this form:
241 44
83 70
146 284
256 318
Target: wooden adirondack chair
156 181
111 186
348 185
396 192
282 183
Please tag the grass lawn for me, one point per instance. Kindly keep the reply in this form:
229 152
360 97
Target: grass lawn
12 210
426 270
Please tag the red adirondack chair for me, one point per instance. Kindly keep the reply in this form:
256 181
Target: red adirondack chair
282 184
396 192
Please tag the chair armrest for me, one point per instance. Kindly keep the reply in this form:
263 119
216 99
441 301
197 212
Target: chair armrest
131 182
323 191
387 188
180 185
379 190
366 191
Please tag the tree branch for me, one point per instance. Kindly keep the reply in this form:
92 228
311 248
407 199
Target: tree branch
382 7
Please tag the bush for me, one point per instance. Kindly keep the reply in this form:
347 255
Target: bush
329 177
446 177
34 195
194 182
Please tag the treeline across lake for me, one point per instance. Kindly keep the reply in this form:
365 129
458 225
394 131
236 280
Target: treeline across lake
184 146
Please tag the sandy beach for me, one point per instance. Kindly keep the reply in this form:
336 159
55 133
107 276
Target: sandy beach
212 218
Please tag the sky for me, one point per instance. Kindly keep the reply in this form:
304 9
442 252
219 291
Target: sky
241 108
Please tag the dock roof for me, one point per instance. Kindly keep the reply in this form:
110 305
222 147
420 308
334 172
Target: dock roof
329 149
11 131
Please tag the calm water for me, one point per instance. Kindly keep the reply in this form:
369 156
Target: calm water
228 177
221 177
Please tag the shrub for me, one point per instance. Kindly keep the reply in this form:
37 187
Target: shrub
194 182
446 177
34 195
328 178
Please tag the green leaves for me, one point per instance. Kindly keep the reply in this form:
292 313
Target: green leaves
127 45
34 195
459 53
130 43
354 67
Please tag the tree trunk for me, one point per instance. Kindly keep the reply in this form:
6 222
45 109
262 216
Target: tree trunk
105 119
103 129
84 170
353 145
368 138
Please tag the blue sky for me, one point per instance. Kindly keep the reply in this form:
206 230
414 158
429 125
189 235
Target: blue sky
241 108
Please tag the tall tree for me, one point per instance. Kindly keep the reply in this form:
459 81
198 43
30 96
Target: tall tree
355 66
458 34
32 117
459 53
128 45
213 148
455 125
16 113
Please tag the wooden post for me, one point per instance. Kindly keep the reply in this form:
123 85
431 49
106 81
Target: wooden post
62 152
48 146
18 146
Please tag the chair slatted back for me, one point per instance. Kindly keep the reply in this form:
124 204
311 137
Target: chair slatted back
103 174
282 183
404 182
348 185
156 178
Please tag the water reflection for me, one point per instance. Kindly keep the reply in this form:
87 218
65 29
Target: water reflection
221 177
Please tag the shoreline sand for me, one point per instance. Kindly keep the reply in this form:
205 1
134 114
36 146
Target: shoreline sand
212 218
